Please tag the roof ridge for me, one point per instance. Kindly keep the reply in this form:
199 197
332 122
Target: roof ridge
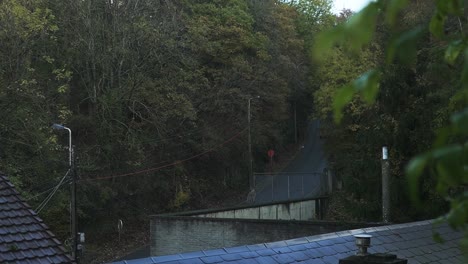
366 230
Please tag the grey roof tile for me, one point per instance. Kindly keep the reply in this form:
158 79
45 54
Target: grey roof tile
243 261
138 261
161 259
212 259
300 247
265 260
340 248
412 241
266 252
283 258
282 250
214 252
330 259
413 261
23 235
256 247
423 259
231 257
296 241
312 245
325 243
316 261
313 253
298 256
276 244
249 254
352 245
195 254
236 249
191 261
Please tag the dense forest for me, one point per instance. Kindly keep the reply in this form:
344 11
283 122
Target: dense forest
156 94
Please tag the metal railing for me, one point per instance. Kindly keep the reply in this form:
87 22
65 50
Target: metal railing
287 186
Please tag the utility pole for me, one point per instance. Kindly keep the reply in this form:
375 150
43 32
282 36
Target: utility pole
71 165
385 186
251 179
73 212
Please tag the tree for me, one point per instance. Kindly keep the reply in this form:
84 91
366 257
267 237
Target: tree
447 157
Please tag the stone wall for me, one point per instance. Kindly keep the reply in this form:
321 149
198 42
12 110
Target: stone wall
175 234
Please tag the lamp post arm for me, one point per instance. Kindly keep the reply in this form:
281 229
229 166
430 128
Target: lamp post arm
70 148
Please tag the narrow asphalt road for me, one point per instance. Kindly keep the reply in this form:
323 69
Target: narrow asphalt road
302 178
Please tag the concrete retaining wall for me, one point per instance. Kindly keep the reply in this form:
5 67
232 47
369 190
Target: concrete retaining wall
209 229
301 210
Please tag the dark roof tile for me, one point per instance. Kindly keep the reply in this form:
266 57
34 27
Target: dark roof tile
296 241
298 256
283 258
160 259
300 247
256 247
282 250
265 260
249 254
330 259
266 252
23 235
412 241
340 248
212 259
195 254
313 253
191 261
236 249
312 245
231 257
214 252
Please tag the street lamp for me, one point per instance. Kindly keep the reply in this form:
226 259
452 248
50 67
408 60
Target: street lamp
73 190
70 149
251 180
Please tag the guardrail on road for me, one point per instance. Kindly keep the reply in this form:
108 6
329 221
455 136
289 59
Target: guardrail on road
287 186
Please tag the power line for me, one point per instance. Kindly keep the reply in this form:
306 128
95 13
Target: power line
47 199
168 165
46 191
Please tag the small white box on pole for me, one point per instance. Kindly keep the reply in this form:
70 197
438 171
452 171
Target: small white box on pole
384 153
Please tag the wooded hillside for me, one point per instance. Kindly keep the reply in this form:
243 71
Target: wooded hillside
156 95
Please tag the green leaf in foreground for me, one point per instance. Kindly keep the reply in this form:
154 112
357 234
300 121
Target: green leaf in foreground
437 23
453 51
325 42
368 85
342 97
414 171
357 31
453 7
393 7
460 122
404 46
360 28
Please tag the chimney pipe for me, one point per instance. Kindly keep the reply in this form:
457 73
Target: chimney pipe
363 241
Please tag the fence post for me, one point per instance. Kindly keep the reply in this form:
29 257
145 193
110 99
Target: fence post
272 187
302 184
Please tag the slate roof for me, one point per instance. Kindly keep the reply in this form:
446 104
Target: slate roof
412 241
24 238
